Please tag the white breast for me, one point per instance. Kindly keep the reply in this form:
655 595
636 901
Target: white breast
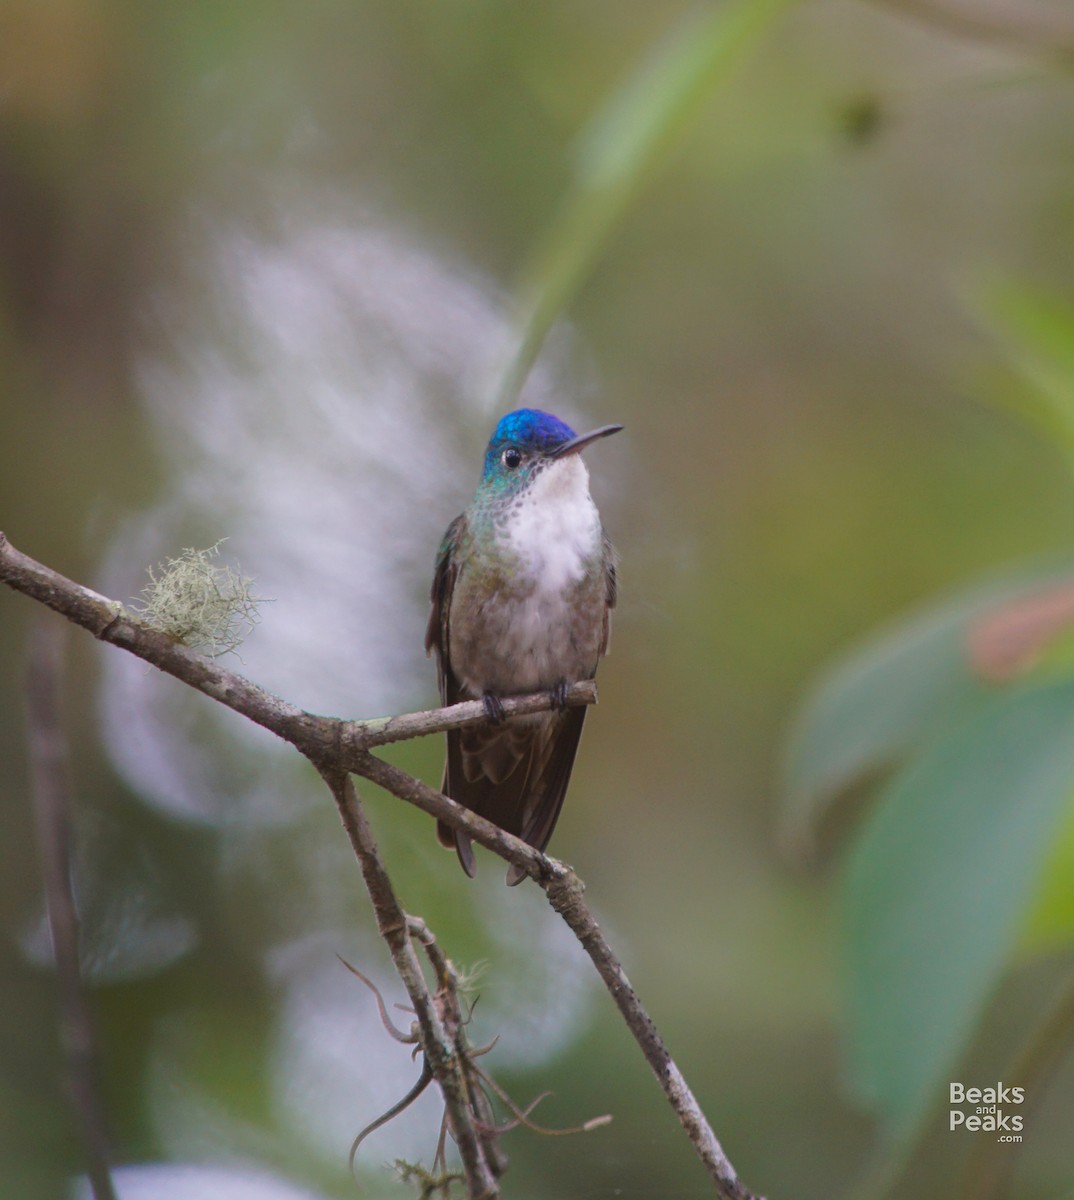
555 529
530 637
538 629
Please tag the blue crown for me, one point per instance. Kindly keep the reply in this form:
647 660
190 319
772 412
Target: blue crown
529 429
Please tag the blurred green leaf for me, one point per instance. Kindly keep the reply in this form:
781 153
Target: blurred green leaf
1050 924
1057 658
902 686
621 148
1037 329
938 887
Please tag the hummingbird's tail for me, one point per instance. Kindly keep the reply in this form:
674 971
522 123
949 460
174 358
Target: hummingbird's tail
522 790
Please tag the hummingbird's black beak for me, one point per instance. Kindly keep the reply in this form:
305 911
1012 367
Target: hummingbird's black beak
582 440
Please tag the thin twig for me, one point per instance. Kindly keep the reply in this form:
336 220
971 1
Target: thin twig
423 1081
408 1039
450 1009
320 738
440 1055
51 797
335 744
335 747
565 893
357 736
522 1115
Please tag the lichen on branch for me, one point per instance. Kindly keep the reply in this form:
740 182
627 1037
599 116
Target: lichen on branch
204 605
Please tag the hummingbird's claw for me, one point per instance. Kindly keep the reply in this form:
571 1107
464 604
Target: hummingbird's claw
558 696
493 709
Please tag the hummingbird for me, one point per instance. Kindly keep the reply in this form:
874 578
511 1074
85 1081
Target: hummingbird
522 597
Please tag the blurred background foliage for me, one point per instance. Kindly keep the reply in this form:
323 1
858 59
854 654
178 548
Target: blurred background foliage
256 277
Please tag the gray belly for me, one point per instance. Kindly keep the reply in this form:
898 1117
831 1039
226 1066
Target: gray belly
511 643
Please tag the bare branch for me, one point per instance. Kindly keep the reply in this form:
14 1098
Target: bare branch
565 894
336 747
340 743
379 731
51 793
440 1053
510 848
447 995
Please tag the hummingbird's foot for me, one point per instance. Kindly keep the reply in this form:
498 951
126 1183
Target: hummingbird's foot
493 709
558 696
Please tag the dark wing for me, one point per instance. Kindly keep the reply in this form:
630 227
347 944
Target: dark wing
438 639
611 594
438 630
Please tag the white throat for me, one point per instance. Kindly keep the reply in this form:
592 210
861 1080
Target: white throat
554 527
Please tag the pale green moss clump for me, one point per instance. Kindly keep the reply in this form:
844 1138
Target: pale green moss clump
204 606
430 1183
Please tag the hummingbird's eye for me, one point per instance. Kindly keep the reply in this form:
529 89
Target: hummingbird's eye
512 457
